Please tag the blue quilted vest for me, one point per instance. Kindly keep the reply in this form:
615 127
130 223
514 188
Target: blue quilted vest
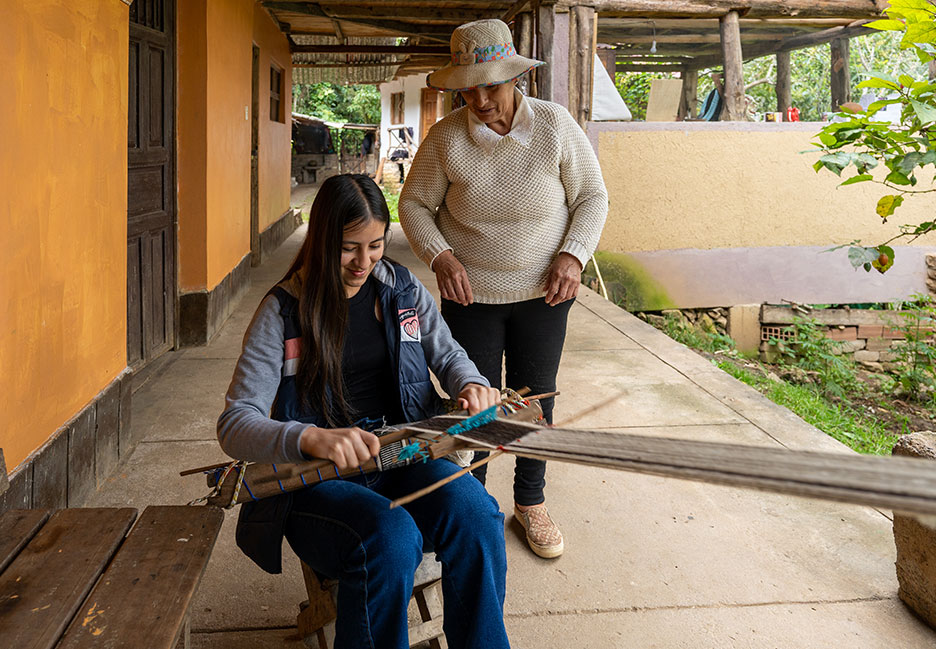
260 524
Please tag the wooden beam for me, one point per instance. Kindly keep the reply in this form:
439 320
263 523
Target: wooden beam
840 80
523 38
545 33
789 44
749 8
338 33
311 9
783 86
690 91
371 49
732 59
581 62
648 67
515 8
697 37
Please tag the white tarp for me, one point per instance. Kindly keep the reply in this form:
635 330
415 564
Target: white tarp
607 104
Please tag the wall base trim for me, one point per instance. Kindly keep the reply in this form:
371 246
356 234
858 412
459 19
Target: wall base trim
78 457
277 233
202 313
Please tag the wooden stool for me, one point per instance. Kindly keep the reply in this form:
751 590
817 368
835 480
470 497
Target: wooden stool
317 614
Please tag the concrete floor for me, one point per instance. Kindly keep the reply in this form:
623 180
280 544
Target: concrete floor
649 562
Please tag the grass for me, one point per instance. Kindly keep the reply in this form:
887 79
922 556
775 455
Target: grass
393 201
845 423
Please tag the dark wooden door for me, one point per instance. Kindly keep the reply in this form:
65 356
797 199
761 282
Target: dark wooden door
151 220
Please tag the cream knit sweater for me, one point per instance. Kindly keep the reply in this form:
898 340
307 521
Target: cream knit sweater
505 206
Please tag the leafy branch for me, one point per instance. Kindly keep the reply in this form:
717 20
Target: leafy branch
860 143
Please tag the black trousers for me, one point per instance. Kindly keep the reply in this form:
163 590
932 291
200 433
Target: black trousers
524 341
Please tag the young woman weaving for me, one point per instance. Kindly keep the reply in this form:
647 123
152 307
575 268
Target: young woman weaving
342 344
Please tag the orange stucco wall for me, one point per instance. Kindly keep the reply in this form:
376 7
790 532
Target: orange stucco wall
275 138
63 212
215 56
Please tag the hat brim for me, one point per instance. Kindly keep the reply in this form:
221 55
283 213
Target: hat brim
455 78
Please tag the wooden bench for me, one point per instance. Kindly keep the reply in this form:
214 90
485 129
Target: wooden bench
75 577
316 620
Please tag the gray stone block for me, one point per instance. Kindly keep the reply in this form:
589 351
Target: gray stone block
916 543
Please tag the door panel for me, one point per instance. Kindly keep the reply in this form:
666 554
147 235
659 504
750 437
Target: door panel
151 220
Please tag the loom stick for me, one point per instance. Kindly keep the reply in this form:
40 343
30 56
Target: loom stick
901 484
444 481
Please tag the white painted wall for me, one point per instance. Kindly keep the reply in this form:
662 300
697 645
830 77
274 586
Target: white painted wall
412 87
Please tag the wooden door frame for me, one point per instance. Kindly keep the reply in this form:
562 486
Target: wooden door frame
172 182
255 159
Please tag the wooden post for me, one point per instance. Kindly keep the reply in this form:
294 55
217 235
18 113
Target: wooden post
783 87
734 77
582 35
545 28
690 91
607 58
524 39
840 81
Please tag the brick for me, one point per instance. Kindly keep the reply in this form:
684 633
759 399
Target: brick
870 331
848 333
864 355
893 334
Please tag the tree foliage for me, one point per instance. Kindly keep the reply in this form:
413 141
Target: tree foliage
861 141
335 103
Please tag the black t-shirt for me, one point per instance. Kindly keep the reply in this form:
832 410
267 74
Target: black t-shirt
370 388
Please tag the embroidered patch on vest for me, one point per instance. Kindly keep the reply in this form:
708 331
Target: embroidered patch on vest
409 326
291 356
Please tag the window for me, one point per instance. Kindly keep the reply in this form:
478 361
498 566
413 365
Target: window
276 93
396 108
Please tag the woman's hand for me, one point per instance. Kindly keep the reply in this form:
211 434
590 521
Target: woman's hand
346 447
563 280
452 279
475 397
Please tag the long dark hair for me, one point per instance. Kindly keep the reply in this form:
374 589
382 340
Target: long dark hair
342 202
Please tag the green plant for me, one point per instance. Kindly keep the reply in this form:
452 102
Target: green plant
810 349
840 421
682 331
393 201
862 142
915 371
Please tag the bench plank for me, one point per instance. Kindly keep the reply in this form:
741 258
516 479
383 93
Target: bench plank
47 582
147 589
17 527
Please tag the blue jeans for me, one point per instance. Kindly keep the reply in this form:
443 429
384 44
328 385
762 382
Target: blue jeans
345 530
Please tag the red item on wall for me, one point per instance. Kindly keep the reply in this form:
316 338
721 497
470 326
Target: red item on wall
792 114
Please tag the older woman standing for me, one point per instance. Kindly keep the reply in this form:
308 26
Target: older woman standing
505 203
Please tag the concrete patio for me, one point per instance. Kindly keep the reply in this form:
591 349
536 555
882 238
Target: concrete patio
649 562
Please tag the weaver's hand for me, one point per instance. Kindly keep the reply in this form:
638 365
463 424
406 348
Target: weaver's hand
346 447
452 279
474 398
563 280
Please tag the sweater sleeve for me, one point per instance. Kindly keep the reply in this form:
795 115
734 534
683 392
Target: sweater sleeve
585 191
245 429
421 197
446 358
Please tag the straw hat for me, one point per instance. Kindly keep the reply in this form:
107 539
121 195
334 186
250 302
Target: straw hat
483 54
